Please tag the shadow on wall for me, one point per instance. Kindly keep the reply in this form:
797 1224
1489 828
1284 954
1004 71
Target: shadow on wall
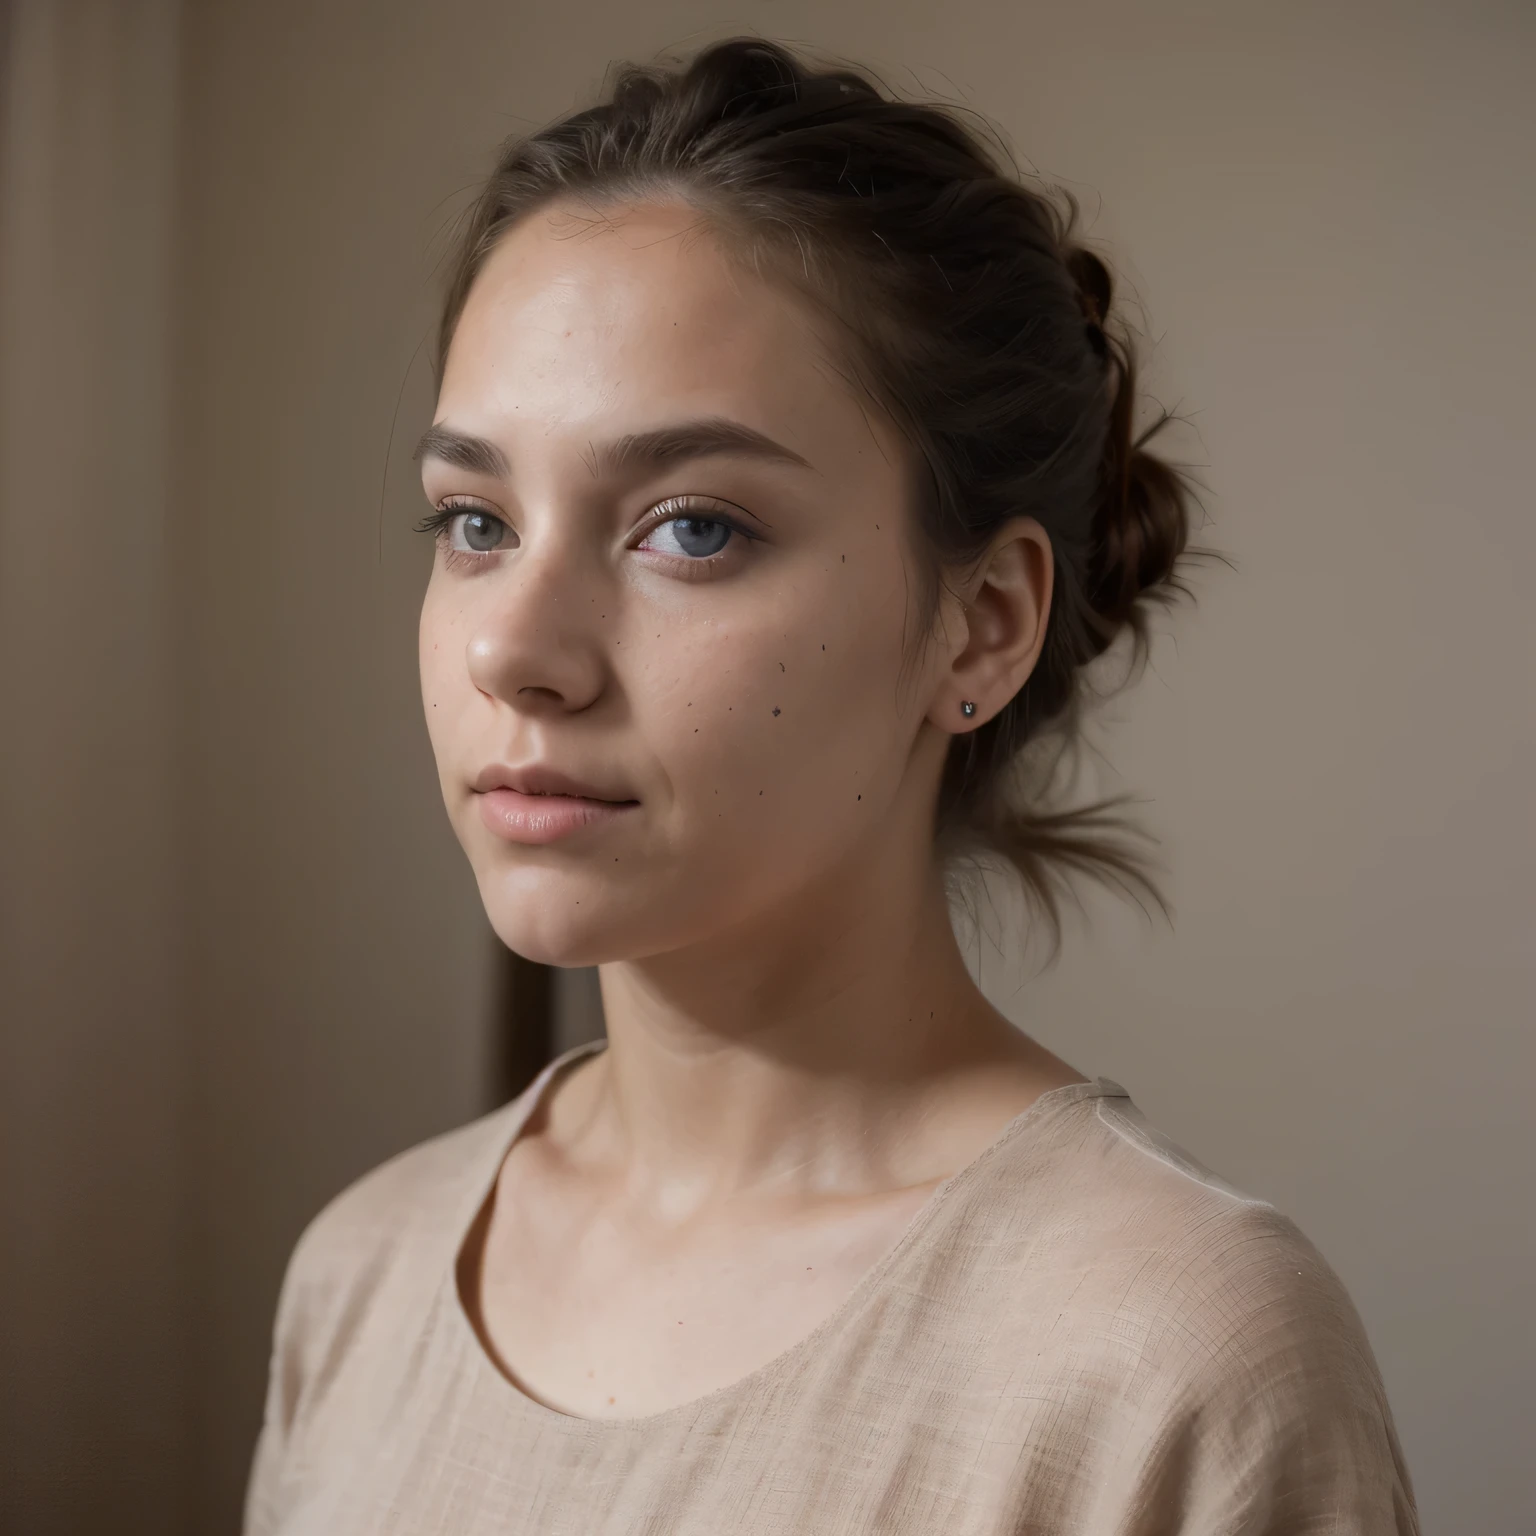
545 1011
578 1009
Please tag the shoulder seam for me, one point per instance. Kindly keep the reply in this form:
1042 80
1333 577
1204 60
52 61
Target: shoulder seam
1156 1154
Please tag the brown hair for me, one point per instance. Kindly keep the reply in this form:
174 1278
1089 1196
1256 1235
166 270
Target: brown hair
968 311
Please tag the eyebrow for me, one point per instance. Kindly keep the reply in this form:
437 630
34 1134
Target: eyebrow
479 455
662 445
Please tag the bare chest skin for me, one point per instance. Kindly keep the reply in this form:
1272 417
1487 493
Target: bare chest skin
596 1313
599 1306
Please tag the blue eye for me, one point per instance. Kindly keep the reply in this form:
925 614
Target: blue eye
693 538
465 530
468 535
480 531
696 537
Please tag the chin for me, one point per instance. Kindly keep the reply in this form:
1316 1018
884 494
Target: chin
546 936
550 920
568 955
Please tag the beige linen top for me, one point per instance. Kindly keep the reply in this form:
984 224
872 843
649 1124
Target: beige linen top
1084 1332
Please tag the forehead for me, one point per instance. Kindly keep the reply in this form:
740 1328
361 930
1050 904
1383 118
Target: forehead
635 311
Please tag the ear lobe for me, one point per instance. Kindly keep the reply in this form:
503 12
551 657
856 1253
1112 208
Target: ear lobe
1005 626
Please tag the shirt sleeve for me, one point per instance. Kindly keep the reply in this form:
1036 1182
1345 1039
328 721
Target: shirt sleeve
261 1494
1282 1426
265 1500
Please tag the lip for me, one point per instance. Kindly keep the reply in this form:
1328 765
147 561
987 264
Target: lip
541 779
523 818
540 804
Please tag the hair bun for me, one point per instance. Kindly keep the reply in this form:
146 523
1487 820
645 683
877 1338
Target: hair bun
1142 524
1095 287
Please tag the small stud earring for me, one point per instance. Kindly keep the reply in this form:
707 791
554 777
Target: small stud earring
966 707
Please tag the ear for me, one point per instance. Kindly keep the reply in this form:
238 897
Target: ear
1005 605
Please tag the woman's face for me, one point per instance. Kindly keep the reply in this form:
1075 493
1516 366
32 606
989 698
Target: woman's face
674 568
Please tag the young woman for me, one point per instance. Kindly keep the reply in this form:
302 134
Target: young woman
783 483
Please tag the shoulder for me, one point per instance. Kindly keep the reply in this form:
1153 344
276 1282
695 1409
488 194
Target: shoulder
410 1204
363 1269
1256 1385
378 1251
1225 1270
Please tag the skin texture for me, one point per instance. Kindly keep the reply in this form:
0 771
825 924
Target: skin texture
798 1055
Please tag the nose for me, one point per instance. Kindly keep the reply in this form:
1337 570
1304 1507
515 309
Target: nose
536 641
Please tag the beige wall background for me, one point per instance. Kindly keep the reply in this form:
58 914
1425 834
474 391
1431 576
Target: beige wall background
241 960
93 1067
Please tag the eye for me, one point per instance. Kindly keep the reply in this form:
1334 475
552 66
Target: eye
696 537
690 535
466 530
476 531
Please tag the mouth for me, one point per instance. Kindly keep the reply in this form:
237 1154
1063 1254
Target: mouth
542 781
550 794
536 817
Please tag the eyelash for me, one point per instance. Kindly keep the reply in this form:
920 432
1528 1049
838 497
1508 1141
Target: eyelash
678 508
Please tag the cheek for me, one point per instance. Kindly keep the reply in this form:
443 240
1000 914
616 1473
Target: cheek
787 734
440 650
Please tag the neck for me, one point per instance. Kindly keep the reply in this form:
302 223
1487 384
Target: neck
799 1055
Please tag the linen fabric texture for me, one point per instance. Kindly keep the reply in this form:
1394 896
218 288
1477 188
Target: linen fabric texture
1084 1332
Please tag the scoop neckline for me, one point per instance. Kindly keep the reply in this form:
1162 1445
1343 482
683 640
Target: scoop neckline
788 1358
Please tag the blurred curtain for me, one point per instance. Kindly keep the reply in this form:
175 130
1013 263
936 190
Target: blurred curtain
544 1011
92 1282
526 1009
